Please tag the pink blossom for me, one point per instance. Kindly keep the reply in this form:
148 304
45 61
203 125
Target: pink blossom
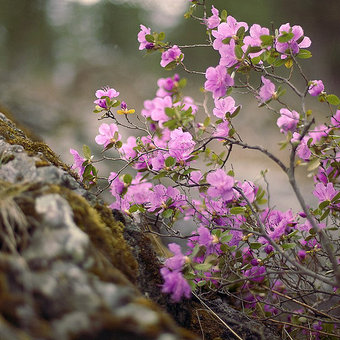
102 94
335 120
254 39
180 145
302 150
218 80
214 20
141 36
267 91
293 43
117 186
155 109
127 148
221 185
108 134
166 86
315 87
228 56
226 30
288 120
223 106
318 132
78 162
172 54
324 192
222 129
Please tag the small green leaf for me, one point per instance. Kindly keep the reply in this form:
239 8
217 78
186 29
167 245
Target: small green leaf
182 83
127 179
167 213
256 60
207 122
203 266
255 245
236 112
226 40
238 52
336 197
253 49
314 164
285 37
333 99
170 161
118 144
226 238
325 214
324 204
201 283
171 65
161 36
237 210
304 54
86 152
224 15
133 208
240 32
267 40
149 38
287 246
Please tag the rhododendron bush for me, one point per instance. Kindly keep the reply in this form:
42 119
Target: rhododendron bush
281 267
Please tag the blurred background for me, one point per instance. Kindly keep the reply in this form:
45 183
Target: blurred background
55 53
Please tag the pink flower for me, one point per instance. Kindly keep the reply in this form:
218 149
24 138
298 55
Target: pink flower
218 80
222 130
288 120
226 30
318 132
324 192
214 20
302 150
180 145
102 94
78 162
127 148
221 185
166 86
141 37
315 87
267 91
108 134
228 56
254 39
155 109
223 106
293 43
172 54
335 120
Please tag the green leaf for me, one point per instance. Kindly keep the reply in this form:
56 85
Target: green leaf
118 144
160 175
336 197
304 54
333 99
267 40
167 213
170 112
182 83
256 60
86 152
226 238
287 246
127 179
255 245
240 32
285 37
170 161
201 283
324 204
253 49
224 15
236 112
226 40
161 36
202 266
325 214
237 210
133 208
171 65
238 52
149 38
314 164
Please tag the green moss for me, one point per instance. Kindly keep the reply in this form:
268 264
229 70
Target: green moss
14 136
104 231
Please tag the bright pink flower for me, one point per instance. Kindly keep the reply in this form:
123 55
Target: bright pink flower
155 109
226 30
223 106
108 134
228 56
318 132
180 145
288 120
293 43
335 120
214 20
302 150
78 162
324 192
254 39
102 94
316 87
127 148
267 90
218 80
117 186
221 185
141 36
170 55
167 85
222 129
175 284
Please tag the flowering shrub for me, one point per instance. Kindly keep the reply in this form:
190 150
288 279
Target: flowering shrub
282 267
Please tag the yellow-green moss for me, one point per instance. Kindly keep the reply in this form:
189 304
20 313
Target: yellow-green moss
17 137
104 231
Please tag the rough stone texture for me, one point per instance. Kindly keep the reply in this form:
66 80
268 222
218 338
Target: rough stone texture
66 271
70 268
